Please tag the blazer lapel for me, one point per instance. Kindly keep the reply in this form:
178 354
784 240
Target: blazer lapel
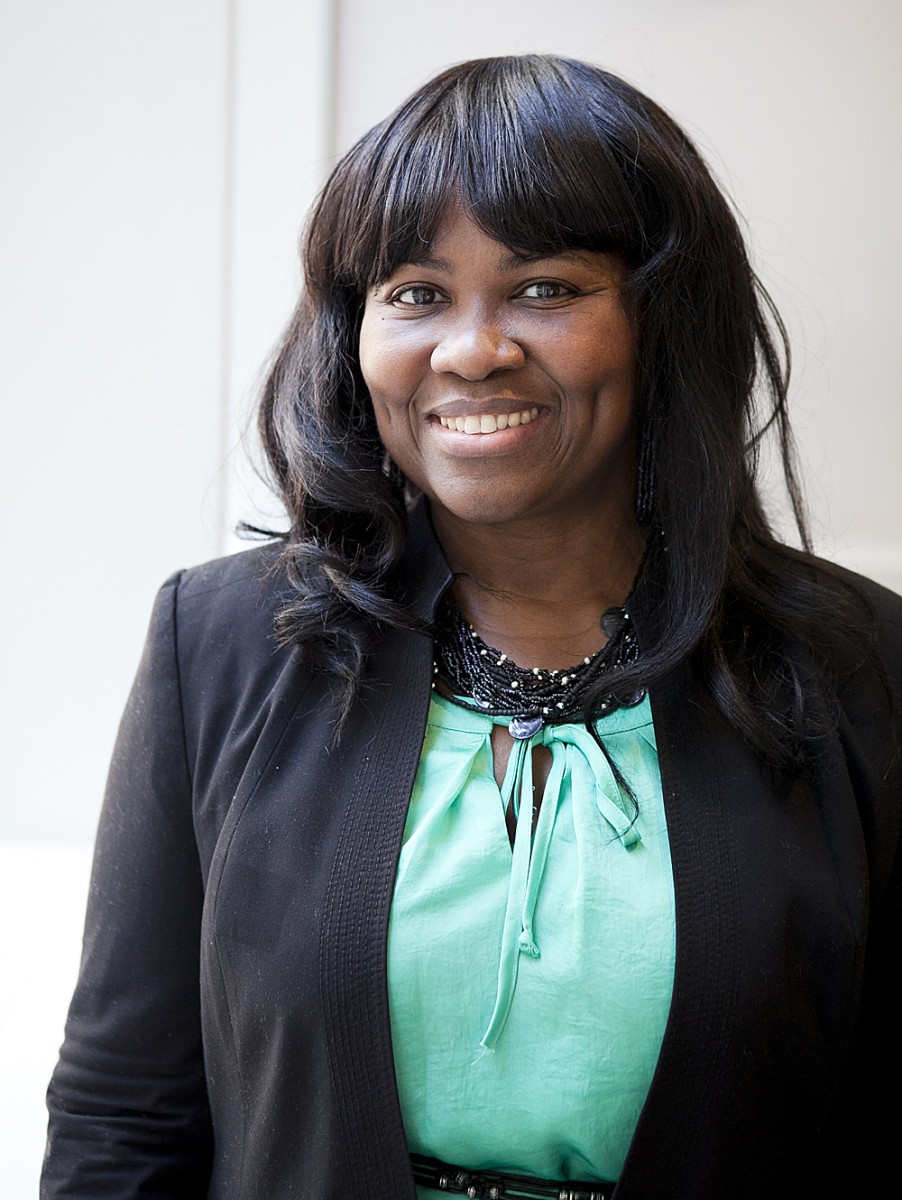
389 727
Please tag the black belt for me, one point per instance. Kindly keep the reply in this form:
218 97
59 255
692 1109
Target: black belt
495 1185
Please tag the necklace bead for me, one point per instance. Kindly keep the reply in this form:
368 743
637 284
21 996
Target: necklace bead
484 679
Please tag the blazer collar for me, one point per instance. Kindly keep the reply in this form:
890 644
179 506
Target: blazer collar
423 573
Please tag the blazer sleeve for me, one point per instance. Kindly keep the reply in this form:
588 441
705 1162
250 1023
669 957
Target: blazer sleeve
873 745
129 1115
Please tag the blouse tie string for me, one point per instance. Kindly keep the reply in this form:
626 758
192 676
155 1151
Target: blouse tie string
530 850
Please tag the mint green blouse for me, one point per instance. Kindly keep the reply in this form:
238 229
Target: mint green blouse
529 990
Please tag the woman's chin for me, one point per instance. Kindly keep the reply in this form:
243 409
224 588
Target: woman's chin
497 503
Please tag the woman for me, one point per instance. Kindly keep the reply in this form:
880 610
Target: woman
553 837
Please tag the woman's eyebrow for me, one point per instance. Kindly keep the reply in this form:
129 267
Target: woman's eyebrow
520 258
433 264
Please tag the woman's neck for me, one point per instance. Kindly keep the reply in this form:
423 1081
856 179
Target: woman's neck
536 590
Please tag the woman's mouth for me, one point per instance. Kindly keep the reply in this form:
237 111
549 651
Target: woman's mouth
489 422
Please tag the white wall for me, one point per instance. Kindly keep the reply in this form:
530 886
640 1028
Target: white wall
157 162
113 144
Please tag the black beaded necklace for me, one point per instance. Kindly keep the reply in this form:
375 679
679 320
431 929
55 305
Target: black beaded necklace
530 696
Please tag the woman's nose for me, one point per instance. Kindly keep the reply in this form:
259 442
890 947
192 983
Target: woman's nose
475 349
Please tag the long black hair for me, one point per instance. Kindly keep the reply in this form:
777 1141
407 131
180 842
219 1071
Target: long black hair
547 154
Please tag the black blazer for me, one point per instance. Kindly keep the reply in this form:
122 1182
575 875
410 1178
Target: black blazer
229 1036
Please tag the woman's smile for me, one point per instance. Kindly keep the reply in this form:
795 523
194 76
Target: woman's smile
492 431
489 422
502 382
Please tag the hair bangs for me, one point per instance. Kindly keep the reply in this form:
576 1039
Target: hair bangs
540 173
534 159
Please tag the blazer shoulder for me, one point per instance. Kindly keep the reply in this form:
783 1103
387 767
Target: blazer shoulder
228 600
215 623
882 600
871 611
233 573
882 616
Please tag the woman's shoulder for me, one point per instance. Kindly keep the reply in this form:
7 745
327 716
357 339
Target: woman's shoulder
836 635
866 665
882 598
217 619
237 590
231 578
875 609
212 657
837 600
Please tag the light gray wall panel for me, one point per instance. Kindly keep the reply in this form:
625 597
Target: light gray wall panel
113 135
283 104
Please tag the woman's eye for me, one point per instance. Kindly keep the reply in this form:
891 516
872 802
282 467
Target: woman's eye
418 295
546 289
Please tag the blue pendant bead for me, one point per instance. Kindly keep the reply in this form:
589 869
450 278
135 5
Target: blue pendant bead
523 728
613 622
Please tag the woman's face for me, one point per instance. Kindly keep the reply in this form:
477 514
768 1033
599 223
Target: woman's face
503 385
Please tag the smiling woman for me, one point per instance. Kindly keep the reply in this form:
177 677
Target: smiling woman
526 821
502 386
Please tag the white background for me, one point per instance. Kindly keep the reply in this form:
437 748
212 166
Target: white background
157 160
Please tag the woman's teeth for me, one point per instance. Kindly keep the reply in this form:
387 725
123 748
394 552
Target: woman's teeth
489 422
